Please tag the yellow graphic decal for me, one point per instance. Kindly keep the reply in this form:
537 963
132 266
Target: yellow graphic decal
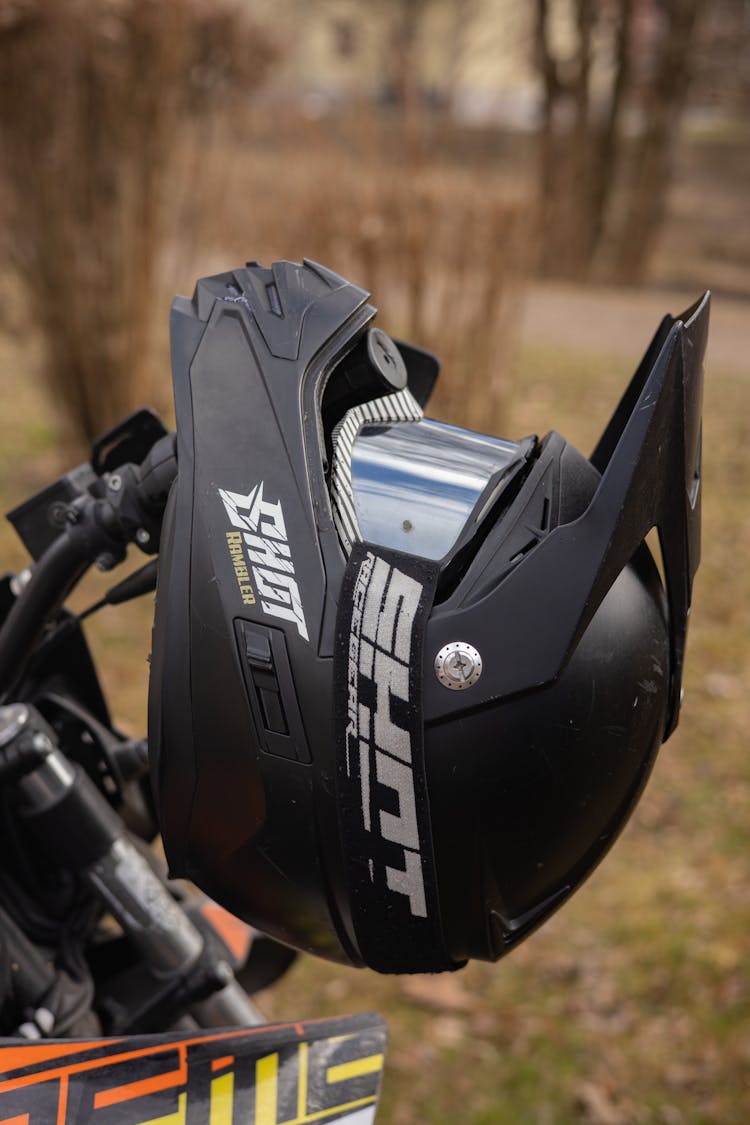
237 555
267 1087
222 1100
266 1078
355 1069
280 1083
177 1118
338 1110
302 1082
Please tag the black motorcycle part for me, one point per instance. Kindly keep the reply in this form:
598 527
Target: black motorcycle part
39 520
129 441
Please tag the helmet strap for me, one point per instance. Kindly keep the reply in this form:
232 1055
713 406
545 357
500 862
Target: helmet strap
384 814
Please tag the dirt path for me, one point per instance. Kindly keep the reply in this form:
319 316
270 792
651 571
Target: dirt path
620 321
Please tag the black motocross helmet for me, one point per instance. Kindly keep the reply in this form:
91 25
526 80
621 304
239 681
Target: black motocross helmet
407 681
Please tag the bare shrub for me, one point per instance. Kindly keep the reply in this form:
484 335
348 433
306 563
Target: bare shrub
94 95
443 248
447 263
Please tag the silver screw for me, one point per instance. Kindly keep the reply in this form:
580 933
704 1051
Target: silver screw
19 581
142 536
115 482
13 719
458 665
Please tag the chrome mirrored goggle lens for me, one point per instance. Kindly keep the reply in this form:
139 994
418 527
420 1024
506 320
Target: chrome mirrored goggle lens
414 486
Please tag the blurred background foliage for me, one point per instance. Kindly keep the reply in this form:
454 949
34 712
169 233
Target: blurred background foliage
440 152
525 188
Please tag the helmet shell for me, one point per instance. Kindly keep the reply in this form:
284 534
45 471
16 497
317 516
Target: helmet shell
532 771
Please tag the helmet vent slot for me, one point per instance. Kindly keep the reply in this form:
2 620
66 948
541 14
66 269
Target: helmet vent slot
524 550
274 301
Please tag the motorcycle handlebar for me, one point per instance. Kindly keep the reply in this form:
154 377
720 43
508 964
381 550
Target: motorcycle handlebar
98 531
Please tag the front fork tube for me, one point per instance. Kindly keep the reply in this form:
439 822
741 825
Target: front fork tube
81 832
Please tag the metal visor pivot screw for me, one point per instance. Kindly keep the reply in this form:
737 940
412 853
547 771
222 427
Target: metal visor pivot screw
386 359
458 665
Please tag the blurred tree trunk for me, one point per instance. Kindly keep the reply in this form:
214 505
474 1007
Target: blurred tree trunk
408 33
654 151
607 148
94 98
579 142
403 69
462 16
582 154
